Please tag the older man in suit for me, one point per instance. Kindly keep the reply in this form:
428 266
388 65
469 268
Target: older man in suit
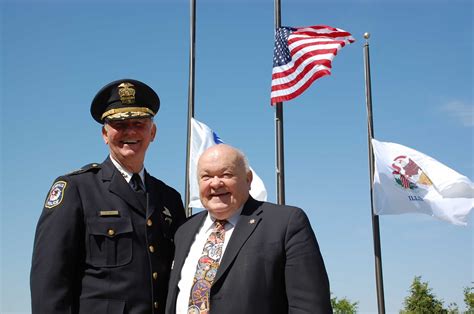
241 255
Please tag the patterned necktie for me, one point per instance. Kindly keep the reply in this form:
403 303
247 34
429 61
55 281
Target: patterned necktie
206 270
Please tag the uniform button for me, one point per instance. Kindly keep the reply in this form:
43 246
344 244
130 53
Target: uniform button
151 248
155 304
111 232
149 223
155 275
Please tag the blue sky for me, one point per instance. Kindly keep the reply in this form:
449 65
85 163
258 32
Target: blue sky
55 55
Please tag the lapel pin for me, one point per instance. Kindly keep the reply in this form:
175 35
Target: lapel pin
252 221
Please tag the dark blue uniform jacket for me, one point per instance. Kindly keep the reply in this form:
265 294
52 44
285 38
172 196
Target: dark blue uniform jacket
101 248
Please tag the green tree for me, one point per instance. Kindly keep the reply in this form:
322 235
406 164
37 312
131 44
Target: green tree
469 299
421 300
453 308
343 306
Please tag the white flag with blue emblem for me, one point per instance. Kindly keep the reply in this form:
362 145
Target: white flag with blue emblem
407 181
202 137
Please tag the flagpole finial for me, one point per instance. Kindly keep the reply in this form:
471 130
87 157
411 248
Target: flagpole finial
366 35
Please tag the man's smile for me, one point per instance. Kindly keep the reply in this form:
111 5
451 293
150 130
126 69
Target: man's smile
218 194
130 142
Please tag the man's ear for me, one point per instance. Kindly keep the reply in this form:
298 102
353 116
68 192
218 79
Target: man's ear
249 178
154 129
104 135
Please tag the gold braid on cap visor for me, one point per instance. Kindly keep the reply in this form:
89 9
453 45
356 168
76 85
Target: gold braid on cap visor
127 109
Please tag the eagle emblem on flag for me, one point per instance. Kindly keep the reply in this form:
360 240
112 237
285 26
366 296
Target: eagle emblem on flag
408 174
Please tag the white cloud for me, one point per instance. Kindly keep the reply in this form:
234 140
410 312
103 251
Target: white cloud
460 111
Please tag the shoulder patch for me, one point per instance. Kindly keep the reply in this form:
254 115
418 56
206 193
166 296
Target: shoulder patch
56 194
86 168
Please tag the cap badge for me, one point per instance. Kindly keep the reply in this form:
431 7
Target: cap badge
127 93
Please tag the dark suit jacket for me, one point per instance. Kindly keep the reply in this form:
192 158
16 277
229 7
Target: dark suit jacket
272 264
92 250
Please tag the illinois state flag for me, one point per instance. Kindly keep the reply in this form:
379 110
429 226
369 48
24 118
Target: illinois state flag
202 137
407 181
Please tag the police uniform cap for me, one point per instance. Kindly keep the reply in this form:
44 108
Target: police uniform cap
124 99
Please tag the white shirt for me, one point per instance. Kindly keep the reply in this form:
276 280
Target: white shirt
127 175
189 268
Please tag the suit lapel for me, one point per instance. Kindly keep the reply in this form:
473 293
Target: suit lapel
184 240
119 186
189 233
249 220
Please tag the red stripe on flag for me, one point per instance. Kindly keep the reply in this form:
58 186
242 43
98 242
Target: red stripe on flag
315 33
302 88
314 52
316 43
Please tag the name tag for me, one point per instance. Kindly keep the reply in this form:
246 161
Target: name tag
109 213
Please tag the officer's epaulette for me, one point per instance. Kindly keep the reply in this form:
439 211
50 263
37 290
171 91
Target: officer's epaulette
88 167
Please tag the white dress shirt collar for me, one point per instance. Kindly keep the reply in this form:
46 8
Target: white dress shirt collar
209 221
127 174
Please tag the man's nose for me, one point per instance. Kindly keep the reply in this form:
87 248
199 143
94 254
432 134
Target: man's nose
216 182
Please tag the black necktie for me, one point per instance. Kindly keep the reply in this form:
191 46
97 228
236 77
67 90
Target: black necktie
136 184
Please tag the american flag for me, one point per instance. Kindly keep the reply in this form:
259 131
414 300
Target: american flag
301 56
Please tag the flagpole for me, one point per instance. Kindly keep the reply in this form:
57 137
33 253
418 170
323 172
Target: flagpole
189 210
375 218
280 169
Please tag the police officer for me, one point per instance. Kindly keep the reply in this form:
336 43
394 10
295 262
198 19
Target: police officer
104 241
